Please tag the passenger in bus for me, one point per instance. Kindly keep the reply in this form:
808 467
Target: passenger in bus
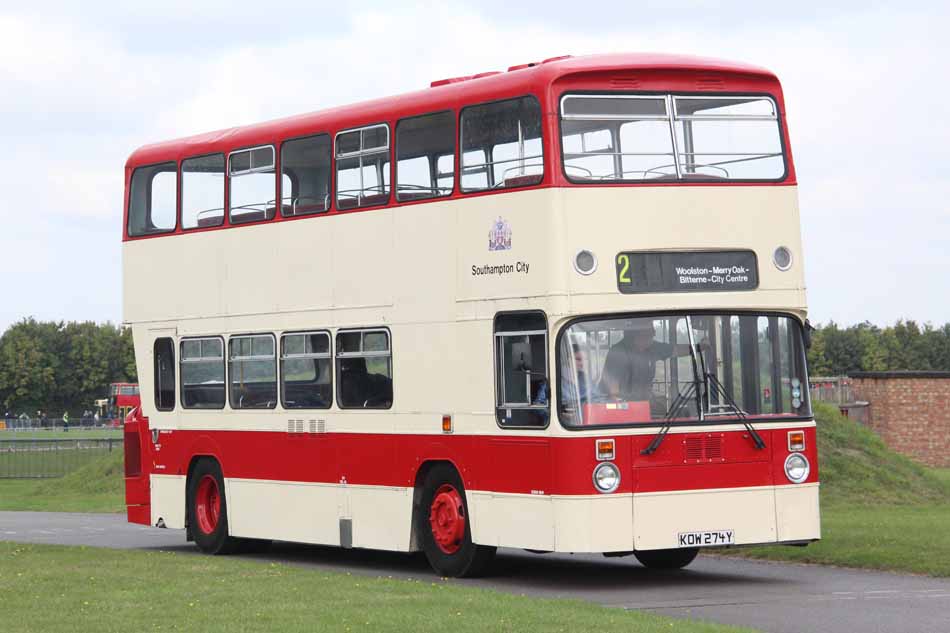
576 383
630 367
359 388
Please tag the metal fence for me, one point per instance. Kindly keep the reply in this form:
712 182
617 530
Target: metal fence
41 458
833 389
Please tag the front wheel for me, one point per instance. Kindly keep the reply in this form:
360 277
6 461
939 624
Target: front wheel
667 558
445 528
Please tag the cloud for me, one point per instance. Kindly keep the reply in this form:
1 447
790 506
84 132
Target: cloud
865 114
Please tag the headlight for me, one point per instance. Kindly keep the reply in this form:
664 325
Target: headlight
796 468
606 477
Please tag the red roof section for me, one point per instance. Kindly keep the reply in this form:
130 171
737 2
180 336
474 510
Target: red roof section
536 77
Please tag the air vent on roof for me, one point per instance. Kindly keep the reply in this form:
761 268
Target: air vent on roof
556 59
627 82
450 80
455 80
521 66
710 82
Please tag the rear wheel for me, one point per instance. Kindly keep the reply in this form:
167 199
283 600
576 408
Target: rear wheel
208 509
445 528
667 558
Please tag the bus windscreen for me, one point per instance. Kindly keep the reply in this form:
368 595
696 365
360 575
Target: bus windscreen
681 368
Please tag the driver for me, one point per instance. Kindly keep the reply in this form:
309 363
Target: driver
630 366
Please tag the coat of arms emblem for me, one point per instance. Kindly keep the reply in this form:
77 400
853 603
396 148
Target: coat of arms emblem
499 237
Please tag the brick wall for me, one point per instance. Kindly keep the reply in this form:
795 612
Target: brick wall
910 411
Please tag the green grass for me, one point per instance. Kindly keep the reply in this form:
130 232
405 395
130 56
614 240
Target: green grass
879 509
856 467
59 434
943 474
96 487
56 588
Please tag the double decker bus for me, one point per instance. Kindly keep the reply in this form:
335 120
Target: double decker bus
558 308
123 397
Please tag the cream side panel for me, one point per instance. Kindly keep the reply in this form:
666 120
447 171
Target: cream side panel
406 254
594 524
797 512
168 500
660 517
508 520
310 513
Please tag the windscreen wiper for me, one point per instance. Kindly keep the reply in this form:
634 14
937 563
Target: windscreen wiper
710 379
681 400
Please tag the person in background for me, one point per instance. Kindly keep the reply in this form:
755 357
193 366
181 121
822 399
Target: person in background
65 421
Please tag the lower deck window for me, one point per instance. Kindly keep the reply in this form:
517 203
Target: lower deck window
202 373
253 370
521 372
305 374
365 369
164 354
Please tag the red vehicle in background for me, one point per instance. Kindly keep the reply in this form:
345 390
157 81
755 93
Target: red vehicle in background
123 397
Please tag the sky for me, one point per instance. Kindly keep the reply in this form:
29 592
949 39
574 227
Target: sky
83 84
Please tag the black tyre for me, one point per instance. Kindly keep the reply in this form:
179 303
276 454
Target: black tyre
667 558
208 509
445 529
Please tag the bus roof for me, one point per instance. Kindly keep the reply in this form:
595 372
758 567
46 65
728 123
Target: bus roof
442 94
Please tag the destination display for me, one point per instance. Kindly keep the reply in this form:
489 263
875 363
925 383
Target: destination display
696 271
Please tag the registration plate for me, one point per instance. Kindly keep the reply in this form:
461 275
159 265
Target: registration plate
706 539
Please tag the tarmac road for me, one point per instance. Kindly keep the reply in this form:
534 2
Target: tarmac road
775 597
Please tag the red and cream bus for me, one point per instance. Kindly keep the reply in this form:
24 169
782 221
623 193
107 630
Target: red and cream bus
558 308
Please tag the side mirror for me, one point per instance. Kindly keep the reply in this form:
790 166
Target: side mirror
806 334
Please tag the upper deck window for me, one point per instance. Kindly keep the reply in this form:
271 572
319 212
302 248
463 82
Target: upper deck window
202 191
362 167
253 185
425 156
501 145
153 196
644 137
305 175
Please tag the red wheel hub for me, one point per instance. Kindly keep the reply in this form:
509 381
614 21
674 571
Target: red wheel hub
208 504
447 518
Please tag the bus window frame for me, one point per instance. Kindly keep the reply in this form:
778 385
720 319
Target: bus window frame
331 182
709 421
335 158
337 356
229 359
128 199
229 176
459 150
456 182
155 374
225 199
495 376
181 374
329 356
671 117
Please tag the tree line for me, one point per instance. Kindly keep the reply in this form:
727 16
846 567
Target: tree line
837 350
66 366
55 366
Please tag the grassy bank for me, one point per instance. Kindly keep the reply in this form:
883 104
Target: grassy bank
96 487
879 509
54 588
